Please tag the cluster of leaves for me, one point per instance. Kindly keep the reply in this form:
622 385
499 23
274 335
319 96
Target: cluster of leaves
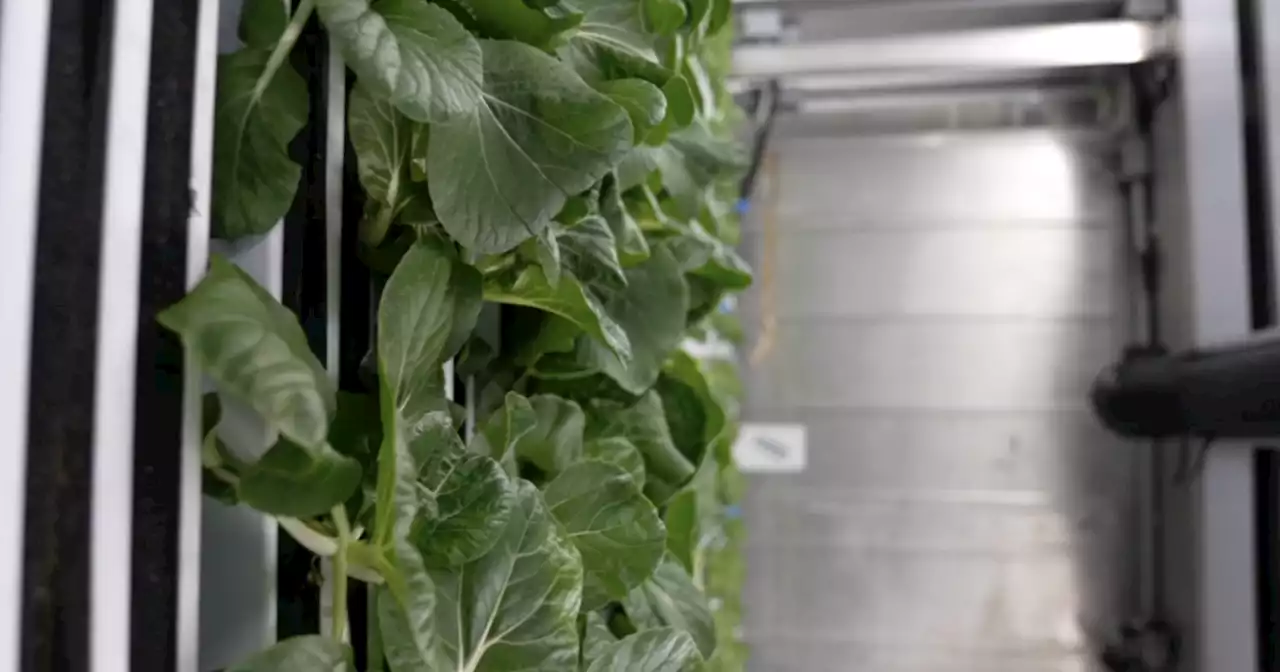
571 161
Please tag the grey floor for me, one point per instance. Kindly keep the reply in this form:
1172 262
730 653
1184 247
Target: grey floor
942 305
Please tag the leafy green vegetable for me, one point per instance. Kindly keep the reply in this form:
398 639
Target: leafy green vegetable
573 163
615 528
650 309
261 105
471 503
669 598
566 299
254 350
656 650
644 426
309 653
294 481
414 54
515 608
539 135
611 43
555 442
406 613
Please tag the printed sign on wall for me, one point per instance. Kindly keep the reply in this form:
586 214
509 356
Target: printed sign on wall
771 447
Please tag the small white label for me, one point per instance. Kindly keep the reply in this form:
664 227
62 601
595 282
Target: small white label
771 448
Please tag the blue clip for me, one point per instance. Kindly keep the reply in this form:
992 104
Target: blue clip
733 511
743 206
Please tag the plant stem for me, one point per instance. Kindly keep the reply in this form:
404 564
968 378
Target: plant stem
287 39
339 616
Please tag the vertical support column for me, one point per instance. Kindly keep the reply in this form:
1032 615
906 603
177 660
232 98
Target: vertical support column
24 33
1211 96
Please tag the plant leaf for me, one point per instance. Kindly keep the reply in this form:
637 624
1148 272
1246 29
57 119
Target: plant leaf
382 138
411 52
681 518
617 531
308 653
428 307
669 598
299 482
644 103
645 426
651 310
632 246
261 105
473 500
656 650
589 250
567 299
255 351
516 607
500 433
617 451
517 20
262 22
611 43
406 613
555 442
597 640
501 173
664 16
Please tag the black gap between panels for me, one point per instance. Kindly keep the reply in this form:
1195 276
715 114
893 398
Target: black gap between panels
304 288
158 412
56 552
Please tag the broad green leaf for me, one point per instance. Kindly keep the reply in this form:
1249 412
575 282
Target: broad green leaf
255 351
382 138
540 135
262 22
411 52
500 433
664 16
567 299
406 606
645 426
680 102
589 250
687 416
721 11
597 640
632 246
698 12
516 607
651 310
261 105
704 94
473 500
516 20
356 429
299 482
656 650
617 451
428 307
638 165
418 156
611 43
547 253
616 529
669 599
681 518
644 103
308 653
555 442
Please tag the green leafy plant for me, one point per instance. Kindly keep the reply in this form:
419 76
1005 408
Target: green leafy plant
571 163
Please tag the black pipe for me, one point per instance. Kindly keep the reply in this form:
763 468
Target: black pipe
1229 392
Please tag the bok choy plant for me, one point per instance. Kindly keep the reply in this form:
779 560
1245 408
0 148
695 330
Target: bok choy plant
572 161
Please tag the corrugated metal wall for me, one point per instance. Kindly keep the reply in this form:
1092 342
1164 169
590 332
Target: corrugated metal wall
943 303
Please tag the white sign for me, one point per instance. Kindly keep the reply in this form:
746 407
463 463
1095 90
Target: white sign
766 447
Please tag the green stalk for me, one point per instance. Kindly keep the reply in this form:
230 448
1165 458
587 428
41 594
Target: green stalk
339 615
287 39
